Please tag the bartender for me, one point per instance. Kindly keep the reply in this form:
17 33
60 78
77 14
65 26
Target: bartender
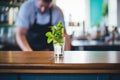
34 19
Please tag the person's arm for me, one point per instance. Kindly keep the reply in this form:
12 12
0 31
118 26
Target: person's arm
21 39
22 25
67 42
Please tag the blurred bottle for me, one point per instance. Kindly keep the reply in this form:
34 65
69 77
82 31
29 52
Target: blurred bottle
2 15
9 35
106 36
106 31
98 37
71 23
6 15
84 30
11 16
15 1
15 13
1 34
22 1
11 2
78 24
18 1
115 33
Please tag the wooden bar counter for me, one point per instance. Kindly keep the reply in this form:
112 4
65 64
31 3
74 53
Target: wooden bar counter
73 62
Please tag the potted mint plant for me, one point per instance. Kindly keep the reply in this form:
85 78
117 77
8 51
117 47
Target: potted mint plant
57 37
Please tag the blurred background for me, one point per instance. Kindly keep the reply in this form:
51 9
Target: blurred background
93 25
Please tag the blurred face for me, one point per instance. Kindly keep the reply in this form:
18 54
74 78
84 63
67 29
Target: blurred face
42 6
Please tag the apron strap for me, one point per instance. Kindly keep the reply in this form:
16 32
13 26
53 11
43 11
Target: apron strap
51 15
35 20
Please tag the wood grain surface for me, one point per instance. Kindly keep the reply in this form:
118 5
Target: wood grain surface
72 62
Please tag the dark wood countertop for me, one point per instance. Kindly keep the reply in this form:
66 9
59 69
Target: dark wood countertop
73 62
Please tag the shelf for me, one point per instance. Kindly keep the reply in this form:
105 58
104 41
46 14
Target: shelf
6 25
6 4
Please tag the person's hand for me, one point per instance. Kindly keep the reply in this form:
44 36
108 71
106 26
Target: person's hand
21 39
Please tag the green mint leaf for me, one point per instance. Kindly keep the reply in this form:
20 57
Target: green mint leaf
49 34
53 28
49 40
56 34
59 24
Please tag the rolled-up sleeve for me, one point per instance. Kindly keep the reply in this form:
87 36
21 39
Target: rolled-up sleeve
23 17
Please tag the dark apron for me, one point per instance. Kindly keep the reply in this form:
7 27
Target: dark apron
36 35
